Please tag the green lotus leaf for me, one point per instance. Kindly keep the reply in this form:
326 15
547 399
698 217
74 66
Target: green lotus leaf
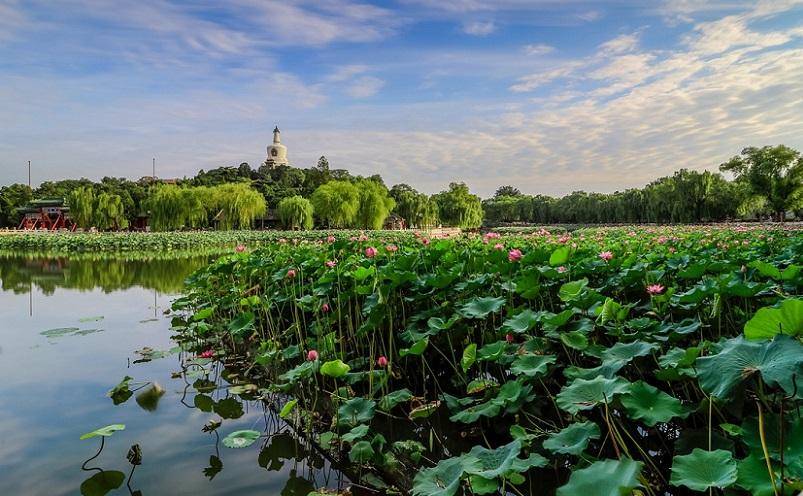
777 361
441 480
390 400
574 439
425 410
361 452
572 290
241 439
792 439
521 322
575 340
242 323
416 349
204 313
651 405
625 352
335 368
584 394
604 478
288 408
356 411
531 365
356 433
481 485
121 392
491 463
560 256
302 371
702 469
473 413
103 431
607 370
469 357
752 475
768 322
437 324
611 311
481 307
492 352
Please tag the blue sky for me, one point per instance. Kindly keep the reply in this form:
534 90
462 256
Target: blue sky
550 96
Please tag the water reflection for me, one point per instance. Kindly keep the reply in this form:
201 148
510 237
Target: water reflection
59 384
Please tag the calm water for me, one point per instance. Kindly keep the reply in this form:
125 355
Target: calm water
55 386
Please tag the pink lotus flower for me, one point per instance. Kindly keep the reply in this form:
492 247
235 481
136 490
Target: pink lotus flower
425 241
499 246
325 308
240 248
331 263
561 269
291 273
655 289
330 239
514 255
312 355
207 354
509 337
370 252
382 361
563 239
392 248
606 255
363 237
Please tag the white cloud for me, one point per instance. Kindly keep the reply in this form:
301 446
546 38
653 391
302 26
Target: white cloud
621 44
365 86
479 28
538 49
346 72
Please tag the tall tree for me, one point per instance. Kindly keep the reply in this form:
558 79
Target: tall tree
82 206
336 203
417 209
458 207
296 212
774 172
11 198
375 204
507 191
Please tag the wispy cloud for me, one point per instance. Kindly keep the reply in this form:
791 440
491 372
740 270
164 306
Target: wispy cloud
479 28
365 87
538 49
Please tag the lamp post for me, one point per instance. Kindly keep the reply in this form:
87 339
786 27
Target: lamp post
29 174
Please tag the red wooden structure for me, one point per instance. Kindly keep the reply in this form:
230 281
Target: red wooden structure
49 214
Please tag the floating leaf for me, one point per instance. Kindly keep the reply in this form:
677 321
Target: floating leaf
702 469
121 392
572 440
102 482
441 480
604 478
91 319
584 394
241 439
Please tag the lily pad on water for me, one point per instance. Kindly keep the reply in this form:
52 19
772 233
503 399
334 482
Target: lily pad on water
59 332
91 319
651 405
574 439
604 478
241 439
103 431
777 361
702 469
121 392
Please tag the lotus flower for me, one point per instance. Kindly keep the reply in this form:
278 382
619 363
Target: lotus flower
499 246
331 263
391 248
240 248
330 239
291 273
207 354
325 308
606 255
561 269
370 252
509 337
382 361
514 255
312 355
655 289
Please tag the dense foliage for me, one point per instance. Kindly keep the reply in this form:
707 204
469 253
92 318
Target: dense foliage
595 362
295 212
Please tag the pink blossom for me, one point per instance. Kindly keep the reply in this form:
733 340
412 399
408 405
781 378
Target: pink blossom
499 246
291 273
331 263
655 289
382 361
606 255
312 355
207 354
370 252
391 248
330 239
563 239
514 255
425 241
240 248
325 308
561 269
509 337
363 237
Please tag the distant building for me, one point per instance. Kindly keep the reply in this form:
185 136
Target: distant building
48 213
277 152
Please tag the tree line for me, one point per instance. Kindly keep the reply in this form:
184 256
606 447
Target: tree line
768 181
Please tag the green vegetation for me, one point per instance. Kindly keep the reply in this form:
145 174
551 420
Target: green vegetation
596 362
229 206
295 212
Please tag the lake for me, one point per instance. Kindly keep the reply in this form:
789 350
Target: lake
71 330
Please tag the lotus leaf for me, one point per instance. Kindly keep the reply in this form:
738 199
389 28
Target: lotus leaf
702 469
604 478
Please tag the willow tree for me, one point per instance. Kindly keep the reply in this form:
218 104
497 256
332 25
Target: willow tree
237 205
172 207
458 207
82 206
109 212
296 212
375 204
336 203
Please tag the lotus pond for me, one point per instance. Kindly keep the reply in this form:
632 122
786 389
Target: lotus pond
651 361
75 327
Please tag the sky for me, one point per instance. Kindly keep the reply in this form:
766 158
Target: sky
549 96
